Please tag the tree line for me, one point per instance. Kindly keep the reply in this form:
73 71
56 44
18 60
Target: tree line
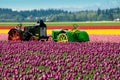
59 15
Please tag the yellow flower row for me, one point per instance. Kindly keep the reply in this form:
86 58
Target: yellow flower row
91 31
98 31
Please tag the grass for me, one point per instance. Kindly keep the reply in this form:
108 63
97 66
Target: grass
93 23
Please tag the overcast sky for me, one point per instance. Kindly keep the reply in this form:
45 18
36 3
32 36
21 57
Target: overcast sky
73 5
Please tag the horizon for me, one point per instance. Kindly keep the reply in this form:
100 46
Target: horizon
58 9
67 5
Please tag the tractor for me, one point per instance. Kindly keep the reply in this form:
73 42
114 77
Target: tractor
38 32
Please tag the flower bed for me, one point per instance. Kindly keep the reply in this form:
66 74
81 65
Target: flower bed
57 61
93 37
3 37
104 38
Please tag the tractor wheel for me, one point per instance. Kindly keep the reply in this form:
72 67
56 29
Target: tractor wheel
33 38
14 35
62 37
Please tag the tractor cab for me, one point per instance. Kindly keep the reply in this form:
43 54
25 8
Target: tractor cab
42 31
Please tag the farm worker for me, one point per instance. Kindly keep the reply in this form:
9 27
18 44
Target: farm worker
43 32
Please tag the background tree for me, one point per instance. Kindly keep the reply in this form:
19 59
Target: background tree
59 15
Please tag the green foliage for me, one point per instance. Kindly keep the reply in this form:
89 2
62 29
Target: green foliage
51 79
64 54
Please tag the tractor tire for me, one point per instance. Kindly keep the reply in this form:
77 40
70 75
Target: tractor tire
14 35
62 37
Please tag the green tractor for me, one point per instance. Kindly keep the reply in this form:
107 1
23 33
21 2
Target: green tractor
39 32
70 36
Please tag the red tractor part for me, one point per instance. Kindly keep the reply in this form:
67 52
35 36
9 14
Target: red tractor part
15 34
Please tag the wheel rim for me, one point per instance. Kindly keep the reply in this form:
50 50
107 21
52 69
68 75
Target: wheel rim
14 35
62 38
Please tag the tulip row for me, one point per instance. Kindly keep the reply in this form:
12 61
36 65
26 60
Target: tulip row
22 60
104 38
3 37
93 38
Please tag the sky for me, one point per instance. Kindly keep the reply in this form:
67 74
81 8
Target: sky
70 5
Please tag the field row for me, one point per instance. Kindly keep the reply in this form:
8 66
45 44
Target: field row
70 27
93 37
94 23
91 31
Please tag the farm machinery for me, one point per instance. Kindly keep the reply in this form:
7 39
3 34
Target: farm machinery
38 32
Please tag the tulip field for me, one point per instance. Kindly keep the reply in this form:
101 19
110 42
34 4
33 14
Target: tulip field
59 61
98 59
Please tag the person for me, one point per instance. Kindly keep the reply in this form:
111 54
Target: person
42 24
43 32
